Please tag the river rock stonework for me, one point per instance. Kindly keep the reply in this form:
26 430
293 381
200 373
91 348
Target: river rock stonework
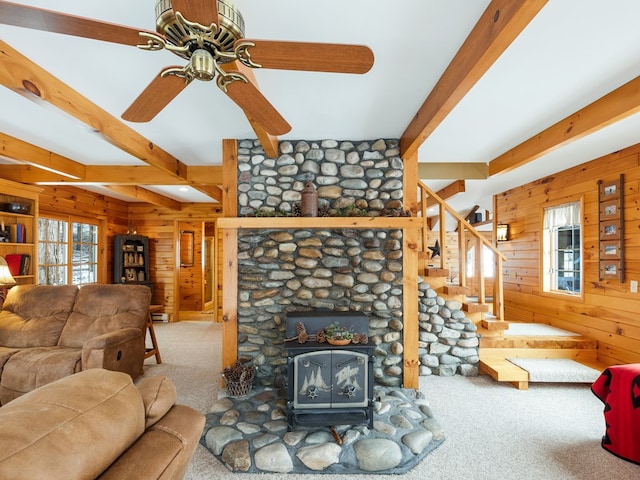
300 270
448 342
250 434
281 271
365 174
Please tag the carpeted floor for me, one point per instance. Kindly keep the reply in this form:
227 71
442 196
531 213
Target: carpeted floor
494 431
537 330
556 370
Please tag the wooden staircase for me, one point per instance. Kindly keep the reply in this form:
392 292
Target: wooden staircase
495 348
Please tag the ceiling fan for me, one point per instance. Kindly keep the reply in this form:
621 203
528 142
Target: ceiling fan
210 35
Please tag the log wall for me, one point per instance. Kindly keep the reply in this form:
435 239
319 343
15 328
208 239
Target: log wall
56 201
162 226
607 311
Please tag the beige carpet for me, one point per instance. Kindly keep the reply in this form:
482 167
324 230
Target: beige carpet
494 431
556 370
537 330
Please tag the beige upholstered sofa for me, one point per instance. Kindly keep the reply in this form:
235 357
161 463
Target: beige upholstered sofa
98 424
50 332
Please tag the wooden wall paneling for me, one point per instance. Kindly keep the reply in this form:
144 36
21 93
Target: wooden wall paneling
190 277
591 314
161 226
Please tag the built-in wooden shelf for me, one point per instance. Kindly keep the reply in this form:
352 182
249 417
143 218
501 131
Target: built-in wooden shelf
318 222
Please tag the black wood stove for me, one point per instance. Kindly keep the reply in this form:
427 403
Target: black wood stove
327 384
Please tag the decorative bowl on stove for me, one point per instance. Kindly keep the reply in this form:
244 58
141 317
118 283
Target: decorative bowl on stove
339 341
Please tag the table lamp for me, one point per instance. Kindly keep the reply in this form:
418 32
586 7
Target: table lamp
6 279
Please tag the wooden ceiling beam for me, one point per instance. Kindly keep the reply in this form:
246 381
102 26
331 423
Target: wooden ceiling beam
615 106
453 170
447 192
21 151
147 196
499 25
113 175
24 77
204 175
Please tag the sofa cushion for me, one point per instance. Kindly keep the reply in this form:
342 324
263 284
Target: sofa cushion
99 309
73 428
158 395
31 368
5 354
34 315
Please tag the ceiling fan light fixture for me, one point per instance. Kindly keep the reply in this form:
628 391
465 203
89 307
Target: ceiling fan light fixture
203 65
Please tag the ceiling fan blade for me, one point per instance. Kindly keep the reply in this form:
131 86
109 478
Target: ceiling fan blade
247 96
57 22
204 12
316 57
155 97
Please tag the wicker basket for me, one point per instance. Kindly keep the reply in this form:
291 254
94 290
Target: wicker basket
238 389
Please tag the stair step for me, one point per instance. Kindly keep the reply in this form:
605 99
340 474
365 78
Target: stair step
492 324
543 342
475 307
502 370
578 354
455 290
436 272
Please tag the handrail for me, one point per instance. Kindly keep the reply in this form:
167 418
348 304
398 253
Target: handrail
463 225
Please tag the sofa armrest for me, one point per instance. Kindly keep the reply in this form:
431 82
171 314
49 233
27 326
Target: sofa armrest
164 450
121 350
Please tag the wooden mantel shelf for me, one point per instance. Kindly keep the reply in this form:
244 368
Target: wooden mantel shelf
318 222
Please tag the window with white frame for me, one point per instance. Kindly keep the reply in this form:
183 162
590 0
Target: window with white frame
67 252
561 249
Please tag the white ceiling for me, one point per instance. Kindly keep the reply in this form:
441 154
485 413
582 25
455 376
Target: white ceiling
572 53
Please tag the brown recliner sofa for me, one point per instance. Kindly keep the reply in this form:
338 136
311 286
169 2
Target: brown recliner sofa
49 332
98 424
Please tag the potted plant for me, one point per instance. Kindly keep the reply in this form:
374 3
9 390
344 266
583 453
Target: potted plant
337 334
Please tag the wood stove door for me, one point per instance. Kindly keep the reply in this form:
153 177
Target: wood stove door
350 379
312 380
331 379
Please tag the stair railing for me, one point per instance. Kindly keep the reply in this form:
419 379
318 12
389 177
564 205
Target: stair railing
477 240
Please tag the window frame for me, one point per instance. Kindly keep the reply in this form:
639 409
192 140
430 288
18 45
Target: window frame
100 260
545 284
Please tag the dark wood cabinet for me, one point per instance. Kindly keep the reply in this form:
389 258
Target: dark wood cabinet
131 259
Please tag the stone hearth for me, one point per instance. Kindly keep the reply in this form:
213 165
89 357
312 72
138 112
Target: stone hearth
250 434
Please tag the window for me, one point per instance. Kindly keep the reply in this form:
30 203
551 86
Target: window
562 259
488 262
67 252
